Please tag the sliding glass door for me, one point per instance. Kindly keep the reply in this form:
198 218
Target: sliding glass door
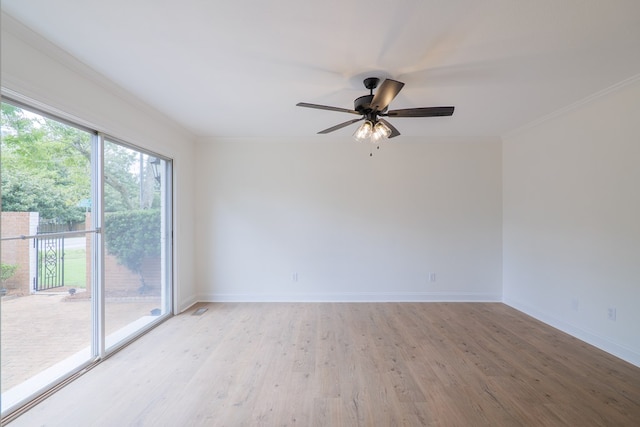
86 248
137 255
46 324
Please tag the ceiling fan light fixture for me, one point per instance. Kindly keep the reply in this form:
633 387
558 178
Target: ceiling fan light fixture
373 106
380 131
364 131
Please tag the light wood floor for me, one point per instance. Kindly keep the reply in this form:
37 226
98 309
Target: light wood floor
449 364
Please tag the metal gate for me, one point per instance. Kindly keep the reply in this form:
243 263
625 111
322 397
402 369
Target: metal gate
50 261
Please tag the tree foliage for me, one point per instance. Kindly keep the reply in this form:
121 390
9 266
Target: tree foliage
46 168
7 271
121 184
41 168
132 236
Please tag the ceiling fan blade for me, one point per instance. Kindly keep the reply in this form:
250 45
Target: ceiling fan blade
421 112
326 107
341 125
394 131
388 90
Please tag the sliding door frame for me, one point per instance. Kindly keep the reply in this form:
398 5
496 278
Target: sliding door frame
98 351
166 250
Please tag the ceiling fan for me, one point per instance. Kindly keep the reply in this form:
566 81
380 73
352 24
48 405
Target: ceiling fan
373 107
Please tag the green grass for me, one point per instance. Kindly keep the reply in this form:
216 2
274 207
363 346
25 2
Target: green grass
75 268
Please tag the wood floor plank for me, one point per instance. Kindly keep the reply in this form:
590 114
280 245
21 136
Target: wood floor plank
339 364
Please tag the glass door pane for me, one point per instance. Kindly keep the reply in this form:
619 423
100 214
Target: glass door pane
46 324
136 258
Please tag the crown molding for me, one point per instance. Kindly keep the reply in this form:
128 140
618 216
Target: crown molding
49 49
572 107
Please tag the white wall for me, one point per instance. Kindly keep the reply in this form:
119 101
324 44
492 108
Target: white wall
39 71
572 221
353 227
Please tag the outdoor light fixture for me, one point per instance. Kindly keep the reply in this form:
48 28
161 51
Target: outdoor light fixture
155 166
374 132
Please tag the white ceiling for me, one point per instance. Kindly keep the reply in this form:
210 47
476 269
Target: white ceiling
237 68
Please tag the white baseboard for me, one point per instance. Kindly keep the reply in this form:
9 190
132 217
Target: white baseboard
187 304
595 340
353 297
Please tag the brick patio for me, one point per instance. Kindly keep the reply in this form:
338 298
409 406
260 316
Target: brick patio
42 329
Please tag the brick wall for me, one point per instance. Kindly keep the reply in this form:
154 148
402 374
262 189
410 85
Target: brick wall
19 252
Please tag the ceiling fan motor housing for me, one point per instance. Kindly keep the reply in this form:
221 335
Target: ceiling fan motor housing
362 104
371 82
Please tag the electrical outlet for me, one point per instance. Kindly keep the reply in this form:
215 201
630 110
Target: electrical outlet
611 313
432 277
294 277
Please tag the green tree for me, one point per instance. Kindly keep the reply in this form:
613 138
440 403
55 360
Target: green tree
42 170
121 185
46 168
